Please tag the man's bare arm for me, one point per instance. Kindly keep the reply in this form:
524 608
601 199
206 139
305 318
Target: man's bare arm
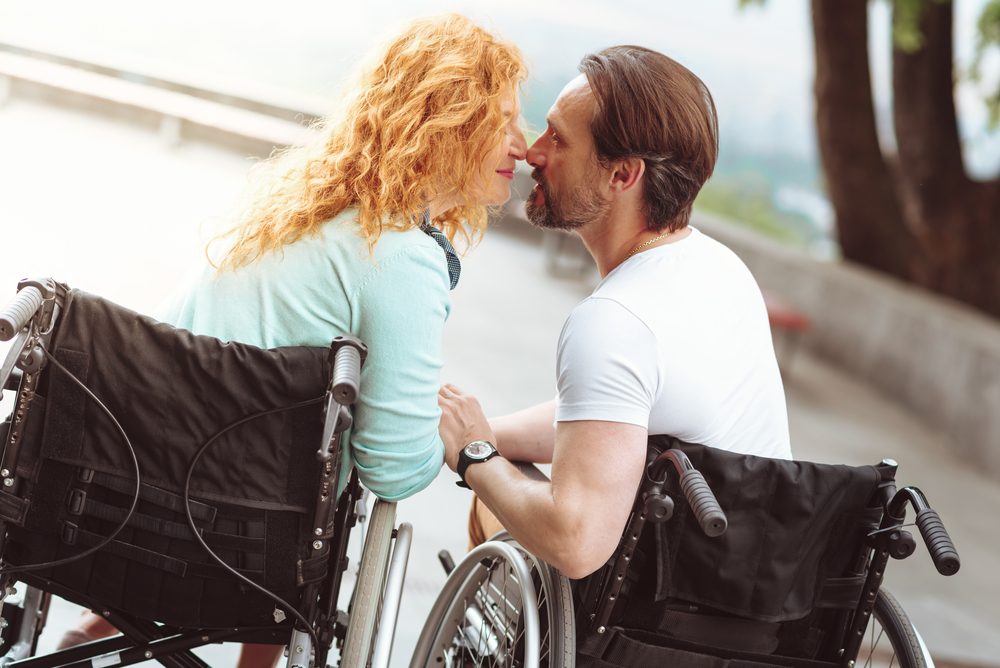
528 435
574 522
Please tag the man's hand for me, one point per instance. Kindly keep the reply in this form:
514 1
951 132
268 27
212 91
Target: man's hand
462 421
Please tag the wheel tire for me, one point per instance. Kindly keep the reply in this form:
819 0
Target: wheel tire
450 637
891 638
366 601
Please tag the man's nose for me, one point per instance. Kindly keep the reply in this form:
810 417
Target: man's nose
535 155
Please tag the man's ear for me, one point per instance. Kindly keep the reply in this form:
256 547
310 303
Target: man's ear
627 173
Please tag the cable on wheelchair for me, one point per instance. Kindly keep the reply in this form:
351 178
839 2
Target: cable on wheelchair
894 527
194 529
135 495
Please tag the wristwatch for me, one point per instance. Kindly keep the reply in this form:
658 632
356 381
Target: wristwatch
476 452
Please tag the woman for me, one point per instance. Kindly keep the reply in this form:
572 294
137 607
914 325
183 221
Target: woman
337 241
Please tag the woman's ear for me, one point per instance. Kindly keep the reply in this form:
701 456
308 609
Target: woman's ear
626 173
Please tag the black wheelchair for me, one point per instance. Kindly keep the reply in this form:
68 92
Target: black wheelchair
185 489
789 575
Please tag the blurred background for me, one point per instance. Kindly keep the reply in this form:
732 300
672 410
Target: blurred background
758 61
859 178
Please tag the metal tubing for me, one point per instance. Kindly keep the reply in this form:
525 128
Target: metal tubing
300 650
21 648
393 593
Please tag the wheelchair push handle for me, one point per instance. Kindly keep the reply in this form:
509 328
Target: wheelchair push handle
935 536
19 312
703 503
699 495
348 355
938 542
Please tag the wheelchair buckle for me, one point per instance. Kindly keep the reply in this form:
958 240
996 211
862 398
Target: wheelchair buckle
69 533
85 475
76 502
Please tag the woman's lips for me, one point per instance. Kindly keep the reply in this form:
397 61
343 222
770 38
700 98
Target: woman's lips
506 173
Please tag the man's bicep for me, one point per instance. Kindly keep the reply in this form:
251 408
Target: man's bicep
595 472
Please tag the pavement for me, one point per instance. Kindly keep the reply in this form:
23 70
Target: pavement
109 208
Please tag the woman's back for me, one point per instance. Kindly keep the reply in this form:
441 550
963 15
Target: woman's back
395 300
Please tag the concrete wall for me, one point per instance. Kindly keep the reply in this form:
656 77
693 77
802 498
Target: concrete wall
937 357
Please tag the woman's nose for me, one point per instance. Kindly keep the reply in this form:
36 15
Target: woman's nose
518 145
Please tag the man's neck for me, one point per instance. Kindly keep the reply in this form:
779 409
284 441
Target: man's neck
610 241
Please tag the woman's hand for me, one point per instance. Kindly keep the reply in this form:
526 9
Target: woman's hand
462 421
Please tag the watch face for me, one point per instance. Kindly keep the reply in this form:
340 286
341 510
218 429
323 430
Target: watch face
478 449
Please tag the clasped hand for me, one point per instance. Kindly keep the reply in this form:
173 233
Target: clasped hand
462 421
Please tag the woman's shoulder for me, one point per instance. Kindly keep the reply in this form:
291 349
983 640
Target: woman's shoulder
399 257
345 230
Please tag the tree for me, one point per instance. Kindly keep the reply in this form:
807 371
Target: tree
915 213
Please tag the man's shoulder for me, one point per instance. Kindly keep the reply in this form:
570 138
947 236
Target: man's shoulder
603 311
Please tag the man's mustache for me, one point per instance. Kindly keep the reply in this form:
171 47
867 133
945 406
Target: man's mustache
539 179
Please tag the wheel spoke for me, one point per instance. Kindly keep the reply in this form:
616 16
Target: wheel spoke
486 624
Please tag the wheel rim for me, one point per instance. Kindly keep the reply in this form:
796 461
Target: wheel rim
484 626
877 650
891 639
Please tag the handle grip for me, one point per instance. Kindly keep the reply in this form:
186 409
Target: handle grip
346 375
939 544
19 311
702 501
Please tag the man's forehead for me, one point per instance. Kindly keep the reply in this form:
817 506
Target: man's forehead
576 87
575 102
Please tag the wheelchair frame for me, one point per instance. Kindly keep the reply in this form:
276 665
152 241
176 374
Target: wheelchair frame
447 632
364 632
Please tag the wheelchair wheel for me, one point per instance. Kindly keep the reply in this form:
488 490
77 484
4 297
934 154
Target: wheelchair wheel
366 601
891 639
485 615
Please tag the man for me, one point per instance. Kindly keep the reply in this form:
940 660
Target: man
674 340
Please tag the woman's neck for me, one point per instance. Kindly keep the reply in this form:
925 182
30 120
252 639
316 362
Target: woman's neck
438 206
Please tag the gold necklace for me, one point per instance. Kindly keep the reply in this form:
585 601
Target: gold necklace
645 244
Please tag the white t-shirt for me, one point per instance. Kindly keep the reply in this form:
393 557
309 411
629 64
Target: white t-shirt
676 339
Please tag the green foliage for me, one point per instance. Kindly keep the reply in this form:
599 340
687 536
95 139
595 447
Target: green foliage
906 15
747 201
987 39
906 24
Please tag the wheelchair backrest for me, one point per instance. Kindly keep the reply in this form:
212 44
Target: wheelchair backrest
254 490
795 545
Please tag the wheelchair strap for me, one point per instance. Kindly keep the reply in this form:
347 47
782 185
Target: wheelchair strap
642 648
81 505
155 495
74 535
841 592
13 508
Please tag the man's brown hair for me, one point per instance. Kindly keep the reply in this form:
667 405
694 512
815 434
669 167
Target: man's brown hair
650 106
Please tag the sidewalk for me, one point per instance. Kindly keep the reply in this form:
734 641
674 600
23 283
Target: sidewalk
113 211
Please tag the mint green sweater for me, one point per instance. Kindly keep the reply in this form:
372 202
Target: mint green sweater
396 301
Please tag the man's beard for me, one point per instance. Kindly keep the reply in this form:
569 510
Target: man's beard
581 207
